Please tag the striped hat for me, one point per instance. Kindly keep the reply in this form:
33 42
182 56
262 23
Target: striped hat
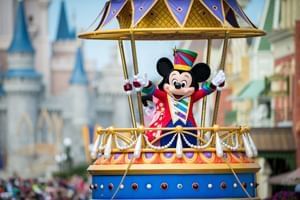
184 59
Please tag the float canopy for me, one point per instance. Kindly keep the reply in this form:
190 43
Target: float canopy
173 20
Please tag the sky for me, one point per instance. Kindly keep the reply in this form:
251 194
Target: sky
82 13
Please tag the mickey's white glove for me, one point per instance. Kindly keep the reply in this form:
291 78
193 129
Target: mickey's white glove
219 79
139 82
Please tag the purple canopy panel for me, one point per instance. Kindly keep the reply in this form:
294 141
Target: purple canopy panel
215 7
141 8
102 15
180 10
233 4
230 17
115 7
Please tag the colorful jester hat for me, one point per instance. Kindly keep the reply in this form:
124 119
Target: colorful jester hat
184 59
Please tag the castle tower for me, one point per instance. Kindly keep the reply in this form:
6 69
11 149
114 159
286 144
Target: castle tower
22 85
78 107
37 26
64 49
79 90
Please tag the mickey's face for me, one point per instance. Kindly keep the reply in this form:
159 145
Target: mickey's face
179 85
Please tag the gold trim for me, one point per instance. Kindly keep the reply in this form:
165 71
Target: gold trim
204 101
182 67
209 149
173 168
172 33
126 77
136 72
222 67
239 129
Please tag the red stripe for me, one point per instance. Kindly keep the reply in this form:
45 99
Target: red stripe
179 60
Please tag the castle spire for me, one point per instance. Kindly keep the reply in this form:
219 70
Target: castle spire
21 51
21 42
1 90
63 30
79 76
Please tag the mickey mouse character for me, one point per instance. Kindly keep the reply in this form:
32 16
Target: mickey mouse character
179 89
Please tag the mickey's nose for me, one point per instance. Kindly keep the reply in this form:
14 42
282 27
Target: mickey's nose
177 85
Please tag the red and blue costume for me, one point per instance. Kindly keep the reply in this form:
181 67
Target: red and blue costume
174 116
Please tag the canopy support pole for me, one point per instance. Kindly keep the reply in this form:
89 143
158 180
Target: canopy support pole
126 77
204 102
222 67
136 71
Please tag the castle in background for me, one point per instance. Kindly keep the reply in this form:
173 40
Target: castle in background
48 91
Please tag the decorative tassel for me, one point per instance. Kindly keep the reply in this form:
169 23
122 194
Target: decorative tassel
219 148
179 148
138 147
252 145
248 149
107 149
95 147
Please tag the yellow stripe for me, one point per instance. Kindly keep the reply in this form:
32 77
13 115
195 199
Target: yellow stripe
182 67
173 168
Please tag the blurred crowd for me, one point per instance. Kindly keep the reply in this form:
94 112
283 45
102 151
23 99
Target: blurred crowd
57 188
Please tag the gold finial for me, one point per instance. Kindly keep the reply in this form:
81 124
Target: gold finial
216 128
99 130
110 129
179 129
174 51
140 129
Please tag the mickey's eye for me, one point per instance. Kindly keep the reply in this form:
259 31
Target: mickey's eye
174 82
183 84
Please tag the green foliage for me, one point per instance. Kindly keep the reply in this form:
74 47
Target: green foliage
79 170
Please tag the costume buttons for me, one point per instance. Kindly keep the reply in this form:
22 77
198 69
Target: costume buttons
244 185
235 185
209 185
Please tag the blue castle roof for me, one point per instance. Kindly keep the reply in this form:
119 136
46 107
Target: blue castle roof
1 90
79 75
1 86
21 41
63 29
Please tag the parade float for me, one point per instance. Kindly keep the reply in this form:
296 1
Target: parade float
173 158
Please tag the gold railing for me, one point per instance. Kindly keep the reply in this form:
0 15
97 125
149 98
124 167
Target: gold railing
217 139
